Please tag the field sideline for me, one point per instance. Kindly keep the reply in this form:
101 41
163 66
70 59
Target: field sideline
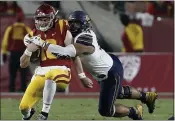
81 106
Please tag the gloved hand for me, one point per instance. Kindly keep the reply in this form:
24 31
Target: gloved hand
38 41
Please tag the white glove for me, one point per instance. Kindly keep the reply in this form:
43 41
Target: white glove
27 40
38 41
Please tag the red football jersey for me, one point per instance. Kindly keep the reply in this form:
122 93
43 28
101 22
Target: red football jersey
55 35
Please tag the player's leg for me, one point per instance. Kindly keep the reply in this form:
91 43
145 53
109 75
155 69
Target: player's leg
147 98
129 92
31 96
55 77
48 95
109 90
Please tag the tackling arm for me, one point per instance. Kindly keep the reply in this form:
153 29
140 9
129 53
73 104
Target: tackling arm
77 61
83 45
71 50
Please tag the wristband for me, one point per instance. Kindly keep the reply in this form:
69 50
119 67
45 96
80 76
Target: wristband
82 75
28 53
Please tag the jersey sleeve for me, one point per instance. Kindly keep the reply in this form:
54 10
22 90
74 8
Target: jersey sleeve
84 39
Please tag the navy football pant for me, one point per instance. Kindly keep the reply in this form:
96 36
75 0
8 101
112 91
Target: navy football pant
110 88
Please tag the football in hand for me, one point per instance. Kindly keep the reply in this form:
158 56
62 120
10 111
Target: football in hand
35 56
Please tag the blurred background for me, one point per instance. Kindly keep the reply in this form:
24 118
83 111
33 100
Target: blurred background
140 33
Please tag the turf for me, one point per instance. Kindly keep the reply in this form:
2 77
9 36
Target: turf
83 109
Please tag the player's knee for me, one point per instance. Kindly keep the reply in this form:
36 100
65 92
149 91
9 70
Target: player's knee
106 113
102 112
125 93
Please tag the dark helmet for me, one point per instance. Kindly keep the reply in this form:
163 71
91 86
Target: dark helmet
78 21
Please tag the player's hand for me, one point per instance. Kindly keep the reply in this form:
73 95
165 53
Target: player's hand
87 82
27 40
37 40
32 47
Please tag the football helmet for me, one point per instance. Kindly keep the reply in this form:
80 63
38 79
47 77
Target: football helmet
78 21
45 17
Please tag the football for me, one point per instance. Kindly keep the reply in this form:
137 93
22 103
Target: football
35 56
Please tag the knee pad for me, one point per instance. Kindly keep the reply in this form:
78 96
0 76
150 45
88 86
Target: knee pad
126 92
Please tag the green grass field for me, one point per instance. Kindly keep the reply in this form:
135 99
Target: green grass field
83 109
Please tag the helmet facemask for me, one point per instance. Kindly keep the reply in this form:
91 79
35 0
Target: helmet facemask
44 22
76 26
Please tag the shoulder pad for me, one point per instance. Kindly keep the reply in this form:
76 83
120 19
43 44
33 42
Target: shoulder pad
85 39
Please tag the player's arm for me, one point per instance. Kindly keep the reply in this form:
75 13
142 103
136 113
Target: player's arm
25 58
82 46
78 65
77 61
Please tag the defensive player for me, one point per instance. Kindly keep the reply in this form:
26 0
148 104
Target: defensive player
105 68
53 70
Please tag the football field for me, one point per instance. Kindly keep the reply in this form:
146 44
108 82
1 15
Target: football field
82 109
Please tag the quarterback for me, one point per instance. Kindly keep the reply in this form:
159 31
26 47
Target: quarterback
53 71
105 68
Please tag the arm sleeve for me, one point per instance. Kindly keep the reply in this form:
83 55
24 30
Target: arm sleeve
62 51
85 39
69 39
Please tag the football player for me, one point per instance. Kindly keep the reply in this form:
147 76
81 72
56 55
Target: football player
104 67
53 71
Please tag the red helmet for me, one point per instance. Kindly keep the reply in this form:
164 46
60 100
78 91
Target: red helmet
45 17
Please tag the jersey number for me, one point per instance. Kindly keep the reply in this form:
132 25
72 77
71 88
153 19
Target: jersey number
47 55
